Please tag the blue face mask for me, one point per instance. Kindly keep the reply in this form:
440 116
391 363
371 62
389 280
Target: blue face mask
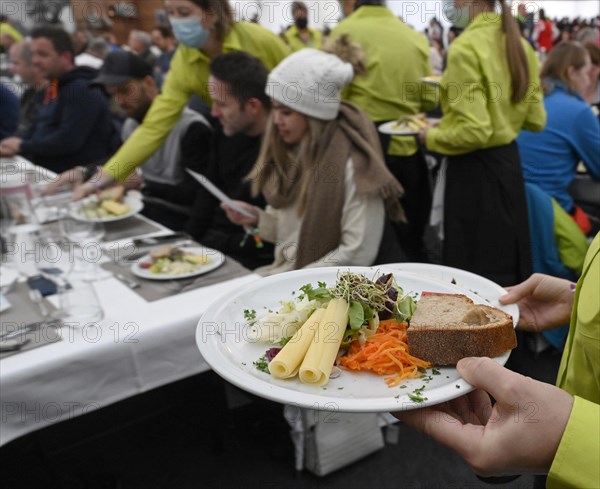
458 17
190 32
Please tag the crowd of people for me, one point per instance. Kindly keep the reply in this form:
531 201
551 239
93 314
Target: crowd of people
287 126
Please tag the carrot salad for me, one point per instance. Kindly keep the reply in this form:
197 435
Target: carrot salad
385 353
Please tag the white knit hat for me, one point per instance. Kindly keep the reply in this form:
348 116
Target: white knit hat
309 81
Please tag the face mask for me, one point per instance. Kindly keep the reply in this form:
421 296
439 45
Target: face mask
189 31
459 17
301 22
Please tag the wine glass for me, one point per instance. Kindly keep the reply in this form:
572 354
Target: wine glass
87 235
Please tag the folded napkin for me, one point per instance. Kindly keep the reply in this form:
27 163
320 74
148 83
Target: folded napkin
25 324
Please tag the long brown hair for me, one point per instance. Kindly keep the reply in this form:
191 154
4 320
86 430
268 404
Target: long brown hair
222 9
293 164
515 53
563 56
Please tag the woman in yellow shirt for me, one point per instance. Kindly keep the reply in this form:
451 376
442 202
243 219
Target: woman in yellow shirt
204 29
490 91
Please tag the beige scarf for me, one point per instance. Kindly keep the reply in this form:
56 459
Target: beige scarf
354 136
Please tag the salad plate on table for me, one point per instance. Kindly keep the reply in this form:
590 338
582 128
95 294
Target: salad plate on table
238 335
172 263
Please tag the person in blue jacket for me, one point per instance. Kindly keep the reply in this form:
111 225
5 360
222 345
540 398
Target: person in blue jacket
73 125
572 134
9 115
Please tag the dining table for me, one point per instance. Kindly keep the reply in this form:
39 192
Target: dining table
143 341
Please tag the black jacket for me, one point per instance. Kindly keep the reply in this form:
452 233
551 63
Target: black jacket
73 124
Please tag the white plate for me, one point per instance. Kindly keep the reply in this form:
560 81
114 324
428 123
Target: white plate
216 260
135 206
476 284
223 339
388 128
432 80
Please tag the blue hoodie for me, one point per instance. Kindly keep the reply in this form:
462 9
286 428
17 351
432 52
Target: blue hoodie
572 134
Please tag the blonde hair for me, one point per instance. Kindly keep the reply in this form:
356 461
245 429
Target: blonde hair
348 51
291 162
563 56
515 53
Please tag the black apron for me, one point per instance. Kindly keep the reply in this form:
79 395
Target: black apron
486 230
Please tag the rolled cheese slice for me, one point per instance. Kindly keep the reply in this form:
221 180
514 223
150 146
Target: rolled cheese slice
288 360
319 359
114 207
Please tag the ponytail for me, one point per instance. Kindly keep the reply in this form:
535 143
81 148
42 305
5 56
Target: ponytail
515 52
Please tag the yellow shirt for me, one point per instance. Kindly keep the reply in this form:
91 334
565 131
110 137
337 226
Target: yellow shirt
296 43
188 75
397 57
8 30
577 460
476 92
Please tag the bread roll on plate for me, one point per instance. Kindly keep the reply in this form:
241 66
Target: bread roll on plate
448 327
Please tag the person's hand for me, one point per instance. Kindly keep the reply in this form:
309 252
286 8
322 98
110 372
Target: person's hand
237 218
83 190
517 435
99 181
544 302
74 177
10 146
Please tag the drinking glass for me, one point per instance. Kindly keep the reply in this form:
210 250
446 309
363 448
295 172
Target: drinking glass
80 305
55 264
87 235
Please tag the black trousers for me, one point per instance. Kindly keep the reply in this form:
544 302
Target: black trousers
486 229
412 173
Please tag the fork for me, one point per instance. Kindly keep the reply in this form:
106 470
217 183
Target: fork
36 297
132 284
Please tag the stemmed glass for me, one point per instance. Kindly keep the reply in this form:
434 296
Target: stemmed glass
87 235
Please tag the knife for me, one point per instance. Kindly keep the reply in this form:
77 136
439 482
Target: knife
158 240
12 345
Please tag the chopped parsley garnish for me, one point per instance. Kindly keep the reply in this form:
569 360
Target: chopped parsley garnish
402 387
262 364
435 371
284 341
457 386
250 316
416 398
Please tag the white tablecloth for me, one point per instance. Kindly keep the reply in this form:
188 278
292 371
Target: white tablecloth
138 346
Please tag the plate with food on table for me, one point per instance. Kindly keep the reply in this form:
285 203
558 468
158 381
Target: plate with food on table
113 204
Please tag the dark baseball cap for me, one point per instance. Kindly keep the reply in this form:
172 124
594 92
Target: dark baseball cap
121 67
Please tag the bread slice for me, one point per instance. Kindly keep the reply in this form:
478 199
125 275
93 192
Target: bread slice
448 327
